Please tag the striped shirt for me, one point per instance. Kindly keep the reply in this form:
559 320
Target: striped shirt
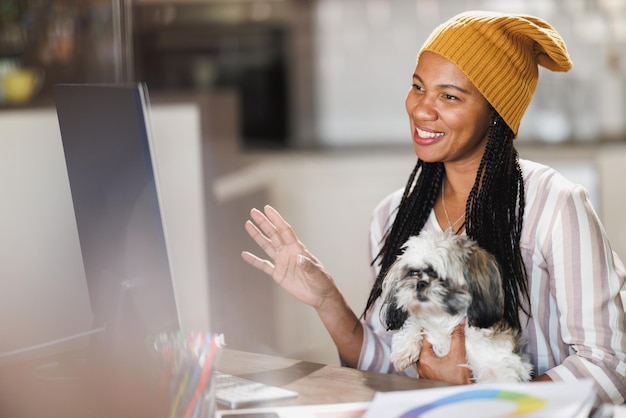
577 329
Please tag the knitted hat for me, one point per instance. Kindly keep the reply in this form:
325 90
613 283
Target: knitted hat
499 53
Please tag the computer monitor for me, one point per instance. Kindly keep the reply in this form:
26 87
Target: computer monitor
102 245
107 146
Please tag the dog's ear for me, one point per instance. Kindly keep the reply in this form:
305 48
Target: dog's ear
391 315
458 299
484 280
394 316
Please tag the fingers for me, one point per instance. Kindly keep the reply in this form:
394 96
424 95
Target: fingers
262 241
427 346
275 236
450 367
277 231
284 230
264 265
271 231
457 342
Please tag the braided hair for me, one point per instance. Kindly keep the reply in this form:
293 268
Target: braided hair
493 213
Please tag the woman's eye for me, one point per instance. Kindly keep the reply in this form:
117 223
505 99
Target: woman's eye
450 97
417 87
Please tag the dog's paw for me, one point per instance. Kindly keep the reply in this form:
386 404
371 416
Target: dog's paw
402 360
402 363
404 351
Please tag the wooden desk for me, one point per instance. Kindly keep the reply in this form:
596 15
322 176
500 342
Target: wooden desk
125 390
315 383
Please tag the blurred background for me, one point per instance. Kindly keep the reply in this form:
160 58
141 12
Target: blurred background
309 72
302 106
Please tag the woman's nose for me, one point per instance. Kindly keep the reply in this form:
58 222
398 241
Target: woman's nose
422 108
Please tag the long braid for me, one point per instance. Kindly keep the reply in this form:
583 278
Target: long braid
493 213
413 211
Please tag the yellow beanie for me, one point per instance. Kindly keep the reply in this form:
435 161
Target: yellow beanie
499 53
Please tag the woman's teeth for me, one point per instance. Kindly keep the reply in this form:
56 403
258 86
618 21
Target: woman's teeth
424 134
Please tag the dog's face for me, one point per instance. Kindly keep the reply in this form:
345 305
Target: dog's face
443 274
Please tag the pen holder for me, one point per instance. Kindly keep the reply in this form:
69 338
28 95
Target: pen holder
186 366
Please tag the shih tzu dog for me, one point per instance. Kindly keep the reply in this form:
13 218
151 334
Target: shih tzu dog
439 281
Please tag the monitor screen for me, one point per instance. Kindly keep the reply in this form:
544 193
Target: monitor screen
117 207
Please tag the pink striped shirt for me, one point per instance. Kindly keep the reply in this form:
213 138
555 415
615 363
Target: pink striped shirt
578 324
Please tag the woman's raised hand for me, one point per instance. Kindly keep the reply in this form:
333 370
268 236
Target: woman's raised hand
289 262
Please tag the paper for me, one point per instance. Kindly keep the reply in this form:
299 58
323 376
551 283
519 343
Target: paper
533 399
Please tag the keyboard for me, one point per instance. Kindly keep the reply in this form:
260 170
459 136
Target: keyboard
236 392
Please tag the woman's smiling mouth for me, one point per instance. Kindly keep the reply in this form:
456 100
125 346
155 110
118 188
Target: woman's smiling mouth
426 137
426 134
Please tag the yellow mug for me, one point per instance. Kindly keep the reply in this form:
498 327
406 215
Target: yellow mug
22 84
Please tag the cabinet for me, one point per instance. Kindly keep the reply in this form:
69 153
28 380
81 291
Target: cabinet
72 41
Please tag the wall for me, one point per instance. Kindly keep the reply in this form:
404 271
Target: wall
365 56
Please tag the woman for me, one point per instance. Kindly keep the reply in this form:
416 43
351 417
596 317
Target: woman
474 79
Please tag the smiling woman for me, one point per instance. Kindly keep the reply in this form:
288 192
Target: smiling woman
474 79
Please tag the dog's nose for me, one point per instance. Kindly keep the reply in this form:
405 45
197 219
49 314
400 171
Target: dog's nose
421 285
421 290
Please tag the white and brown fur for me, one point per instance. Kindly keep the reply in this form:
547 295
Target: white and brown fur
439 281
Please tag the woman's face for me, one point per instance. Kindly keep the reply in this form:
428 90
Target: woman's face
449 117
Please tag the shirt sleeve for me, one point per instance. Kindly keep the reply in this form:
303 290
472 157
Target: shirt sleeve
580 319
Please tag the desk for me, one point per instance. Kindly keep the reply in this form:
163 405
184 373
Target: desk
315 383
124 390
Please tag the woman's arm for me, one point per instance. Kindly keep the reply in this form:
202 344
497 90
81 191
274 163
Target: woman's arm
585 278
300 274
